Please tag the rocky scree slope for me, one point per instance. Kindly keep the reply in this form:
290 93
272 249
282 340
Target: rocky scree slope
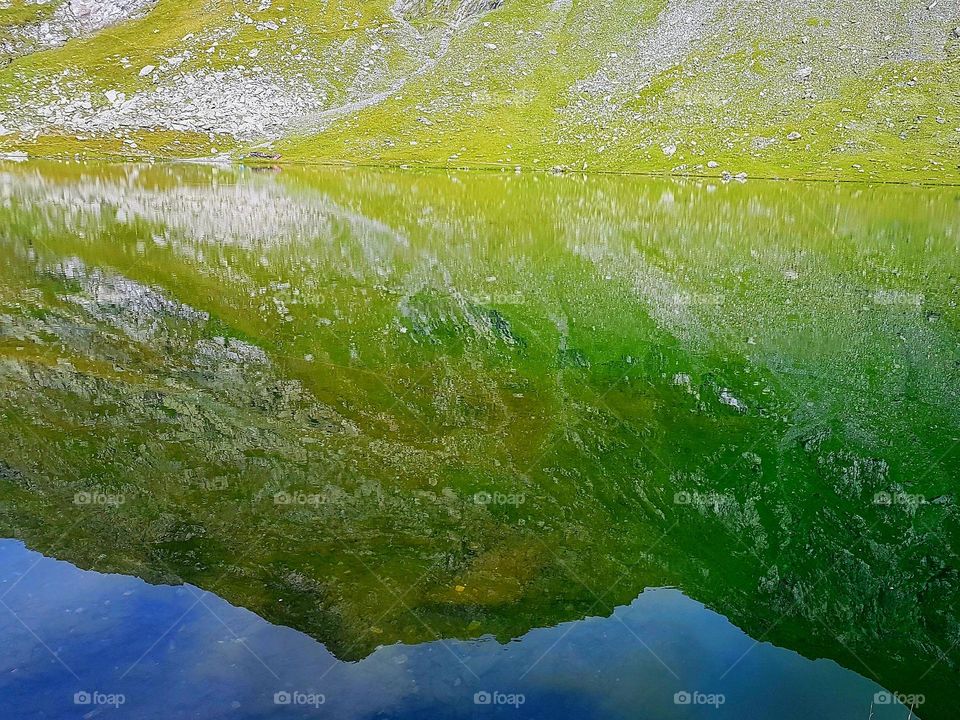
830 89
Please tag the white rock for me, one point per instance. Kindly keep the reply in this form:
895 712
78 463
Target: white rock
727 398
713 164
794 136
803 73
146 70
669 150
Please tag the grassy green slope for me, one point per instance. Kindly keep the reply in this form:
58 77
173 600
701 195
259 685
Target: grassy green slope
683 86
512 106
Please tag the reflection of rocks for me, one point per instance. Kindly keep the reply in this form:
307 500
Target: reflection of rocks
684 393
240 212
137 310
229 350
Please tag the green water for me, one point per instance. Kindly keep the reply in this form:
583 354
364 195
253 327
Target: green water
386 406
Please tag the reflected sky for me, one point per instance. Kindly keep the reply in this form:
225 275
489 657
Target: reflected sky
179 652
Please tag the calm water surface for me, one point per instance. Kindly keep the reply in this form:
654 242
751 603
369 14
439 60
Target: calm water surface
596 447
180 652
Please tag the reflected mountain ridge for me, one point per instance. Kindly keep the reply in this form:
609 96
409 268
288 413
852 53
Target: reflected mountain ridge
382 407
222 660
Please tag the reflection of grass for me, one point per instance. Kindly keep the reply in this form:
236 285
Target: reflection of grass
581 413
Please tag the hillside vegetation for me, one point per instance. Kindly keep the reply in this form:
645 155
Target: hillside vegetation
833 89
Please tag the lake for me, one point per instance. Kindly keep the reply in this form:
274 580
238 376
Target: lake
342 442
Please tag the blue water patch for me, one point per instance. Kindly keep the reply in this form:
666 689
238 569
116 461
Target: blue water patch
81 644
